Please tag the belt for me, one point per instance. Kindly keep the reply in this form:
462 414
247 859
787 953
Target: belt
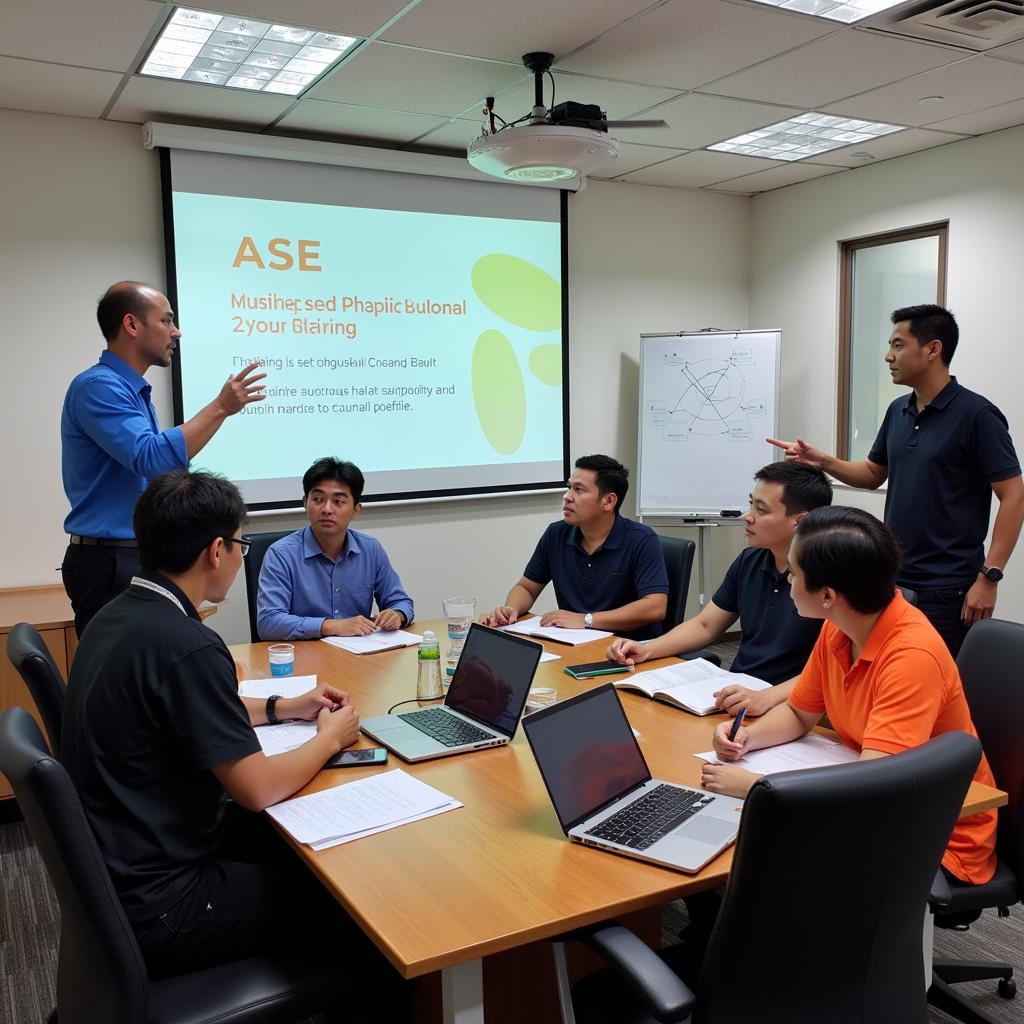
102 542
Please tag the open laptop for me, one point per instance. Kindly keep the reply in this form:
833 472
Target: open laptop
604 795
483 705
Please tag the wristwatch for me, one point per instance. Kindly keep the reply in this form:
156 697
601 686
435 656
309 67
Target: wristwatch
991 573
588 620
271 713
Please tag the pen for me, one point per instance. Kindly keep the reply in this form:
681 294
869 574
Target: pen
736 723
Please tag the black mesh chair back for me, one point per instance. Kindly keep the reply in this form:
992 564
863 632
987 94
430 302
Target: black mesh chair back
35 665
253 563
678 555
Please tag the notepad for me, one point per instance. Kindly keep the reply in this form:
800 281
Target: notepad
557 634
810 751
689 685
375 643
283 686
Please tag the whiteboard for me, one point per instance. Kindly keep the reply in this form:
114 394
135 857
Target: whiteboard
708 400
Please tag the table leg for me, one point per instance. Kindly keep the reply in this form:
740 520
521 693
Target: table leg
462 993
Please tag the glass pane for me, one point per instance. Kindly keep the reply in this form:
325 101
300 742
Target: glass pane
885 277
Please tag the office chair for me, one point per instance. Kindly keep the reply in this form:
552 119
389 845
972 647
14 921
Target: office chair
253 563
101 975
990 664
822 916
35 665
678 555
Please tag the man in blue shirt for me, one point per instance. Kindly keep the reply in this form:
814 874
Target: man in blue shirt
112 444
324 579
775 641
608 572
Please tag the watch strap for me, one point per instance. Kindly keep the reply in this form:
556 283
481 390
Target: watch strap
271 709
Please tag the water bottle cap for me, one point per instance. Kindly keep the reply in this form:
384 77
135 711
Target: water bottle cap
429 636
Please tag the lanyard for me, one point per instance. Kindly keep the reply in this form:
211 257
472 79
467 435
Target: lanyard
138 581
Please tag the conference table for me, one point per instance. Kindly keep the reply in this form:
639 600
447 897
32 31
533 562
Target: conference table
474 892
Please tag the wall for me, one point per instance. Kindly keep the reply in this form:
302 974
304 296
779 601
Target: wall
976 185
81 208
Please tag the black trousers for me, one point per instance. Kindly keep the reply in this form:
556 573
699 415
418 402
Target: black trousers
94 575
942 608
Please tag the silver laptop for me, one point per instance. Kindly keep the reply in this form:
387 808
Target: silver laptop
604 795
483 705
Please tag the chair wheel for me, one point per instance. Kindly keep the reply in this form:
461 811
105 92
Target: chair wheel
1007 988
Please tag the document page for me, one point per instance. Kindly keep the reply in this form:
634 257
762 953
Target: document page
381 640
810 751
693 683
283 686
276 739
572 637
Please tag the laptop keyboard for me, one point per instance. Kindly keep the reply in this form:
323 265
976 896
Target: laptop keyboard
652 817
445 728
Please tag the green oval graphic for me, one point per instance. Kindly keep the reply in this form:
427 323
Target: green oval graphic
518 291
499 392
546 364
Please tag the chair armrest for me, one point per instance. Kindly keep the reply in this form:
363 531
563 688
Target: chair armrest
940 896
641 968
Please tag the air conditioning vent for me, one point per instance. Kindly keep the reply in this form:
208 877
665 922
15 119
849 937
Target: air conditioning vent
972 24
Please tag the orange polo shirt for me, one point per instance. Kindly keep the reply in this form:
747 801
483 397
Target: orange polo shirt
903 690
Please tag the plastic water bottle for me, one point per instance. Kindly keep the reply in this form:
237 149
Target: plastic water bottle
428 668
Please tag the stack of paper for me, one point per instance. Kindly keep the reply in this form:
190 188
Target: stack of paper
359 808
376 642
283 686
572 637
810 751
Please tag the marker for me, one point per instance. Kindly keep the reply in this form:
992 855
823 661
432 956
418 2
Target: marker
736 723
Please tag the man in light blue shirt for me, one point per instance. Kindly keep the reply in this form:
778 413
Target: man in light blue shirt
112 444
323 579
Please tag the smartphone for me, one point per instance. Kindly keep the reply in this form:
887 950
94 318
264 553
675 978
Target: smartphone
595 668
358 758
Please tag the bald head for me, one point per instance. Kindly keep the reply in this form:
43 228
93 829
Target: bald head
120 300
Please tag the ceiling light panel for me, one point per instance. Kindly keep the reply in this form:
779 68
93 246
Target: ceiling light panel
846 11
242 53
805 136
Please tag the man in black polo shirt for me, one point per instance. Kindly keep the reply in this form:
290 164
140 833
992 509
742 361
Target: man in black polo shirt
608 572
776 641
156 738
944 450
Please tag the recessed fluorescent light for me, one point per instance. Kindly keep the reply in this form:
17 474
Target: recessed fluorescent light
846 11
804 136
242 53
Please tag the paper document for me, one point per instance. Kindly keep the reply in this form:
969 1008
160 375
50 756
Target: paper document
810 751
359 808
283 686
572 637
276 739
550 657
690 685
375 643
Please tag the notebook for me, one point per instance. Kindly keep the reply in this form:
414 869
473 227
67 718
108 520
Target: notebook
603 793
483 705
690 685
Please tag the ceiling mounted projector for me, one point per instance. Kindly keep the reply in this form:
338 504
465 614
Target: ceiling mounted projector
570 140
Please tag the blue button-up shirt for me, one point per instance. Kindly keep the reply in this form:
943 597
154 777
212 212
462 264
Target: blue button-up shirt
111 447
300 586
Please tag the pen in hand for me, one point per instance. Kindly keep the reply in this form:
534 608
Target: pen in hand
736 723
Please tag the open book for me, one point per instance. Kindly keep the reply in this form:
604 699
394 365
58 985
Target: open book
690 685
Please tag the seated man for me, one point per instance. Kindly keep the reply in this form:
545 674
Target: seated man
608 572
775 640
879 670
156 738
323 579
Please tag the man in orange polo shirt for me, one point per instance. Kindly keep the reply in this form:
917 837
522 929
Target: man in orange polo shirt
879 670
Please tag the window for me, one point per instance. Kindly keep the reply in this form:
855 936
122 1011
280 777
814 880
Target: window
879 273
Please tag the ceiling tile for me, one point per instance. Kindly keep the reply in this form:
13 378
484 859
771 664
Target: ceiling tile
354 19
455 134
54 88
1007 115
694 170
357 122
109 38
155 99
696 120
1011 51
970 84
829 69
399 78
914 140
632 158
686 44
776 177
503 31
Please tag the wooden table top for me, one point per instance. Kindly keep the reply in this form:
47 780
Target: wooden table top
497 873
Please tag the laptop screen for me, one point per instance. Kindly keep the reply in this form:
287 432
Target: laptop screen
493 677
586 752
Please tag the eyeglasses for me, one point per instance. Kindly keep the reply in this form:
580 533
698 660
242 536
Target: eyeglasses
243 542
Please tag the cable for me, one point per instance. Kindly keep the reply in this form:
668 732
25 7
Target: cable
552 77
414 700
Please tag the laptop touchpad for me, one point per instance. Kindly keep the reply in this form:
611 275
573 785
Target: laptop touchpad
706 829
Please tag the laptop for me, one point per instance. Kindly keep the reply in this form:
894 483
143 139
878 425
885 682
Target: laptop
483 705
604 795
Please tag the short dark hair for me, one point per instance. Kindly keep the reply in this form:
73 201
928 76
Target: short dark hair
342 472
851 551
611 476
118 301
931 323
180 513
803 487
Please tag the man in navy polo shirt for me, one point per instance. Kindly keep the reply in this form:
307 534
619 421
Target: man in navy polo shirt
608 572
776 640
944 450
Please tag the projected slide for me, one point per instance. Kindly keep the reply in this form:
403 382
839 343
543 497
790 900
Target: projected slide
424 346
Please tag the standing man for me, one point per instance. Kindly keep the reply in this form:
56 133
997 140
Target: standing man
944 450
112 444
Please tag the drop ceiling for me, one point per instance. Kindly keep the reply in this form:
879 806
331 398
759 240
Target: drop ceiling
416 81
